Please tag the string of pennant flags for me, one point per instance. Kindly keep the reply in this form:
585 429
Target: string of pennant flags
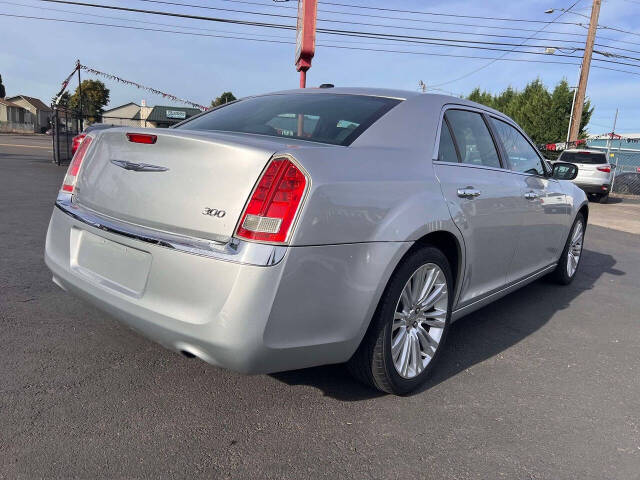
118 79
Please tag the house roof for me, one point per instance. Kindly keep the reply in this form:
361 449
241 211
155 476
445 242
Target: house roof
120 106
8 103
159 114
36 102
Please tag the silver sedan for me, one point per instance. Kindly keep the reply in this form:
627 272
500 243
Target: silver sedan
314 226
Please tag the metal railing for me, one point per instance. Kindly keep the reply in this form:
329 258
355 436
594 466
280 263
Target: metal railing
16 127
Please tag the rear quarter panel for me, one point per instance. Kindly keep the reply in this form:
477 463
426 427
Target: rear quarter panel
382 188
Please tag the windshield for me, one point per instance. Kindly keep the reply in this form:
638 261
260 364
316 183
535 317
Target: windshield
325 118
583 157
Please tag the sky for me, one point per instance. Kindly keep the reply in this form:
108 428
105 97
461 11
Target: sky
36 55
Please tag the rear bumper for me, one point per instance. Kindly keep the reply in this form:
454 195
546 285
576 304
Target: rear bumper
598 187
311 307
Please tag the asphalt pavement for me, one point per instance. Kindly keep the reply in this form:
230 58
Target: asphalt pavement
543 384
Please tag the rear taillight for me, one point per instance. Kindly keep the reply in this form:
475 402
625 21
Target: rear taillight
274 203
142 138
77 140
72 172
606 169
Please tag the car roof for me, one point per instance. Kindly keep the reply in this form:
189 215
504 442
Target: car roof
375 92
583 150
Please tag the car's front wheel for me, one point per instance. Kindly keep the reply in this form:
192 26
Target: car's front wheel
410 325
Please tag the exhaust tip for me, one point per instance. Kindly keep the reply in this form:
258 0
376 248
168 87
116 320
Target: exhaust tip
187 354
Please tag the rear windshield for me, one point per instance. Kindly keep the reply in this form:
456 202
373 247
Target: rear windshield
325 118
583 157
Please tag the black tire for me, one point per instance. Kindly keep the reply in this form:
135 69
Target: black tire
601 197
372 364
560 274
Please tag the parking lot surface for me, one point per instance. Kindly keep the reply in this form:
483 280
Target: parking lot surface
543 384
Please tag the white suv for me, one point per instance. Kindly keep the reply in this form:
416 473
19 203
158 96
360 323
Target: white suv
594 172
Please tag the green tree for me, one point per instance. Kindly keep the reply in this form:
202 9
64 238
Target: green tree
483 97
226 97
544 115
95 96
3 92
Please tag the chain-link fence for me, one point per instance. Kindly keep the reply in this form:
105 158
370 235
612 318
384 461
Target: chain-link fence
626 179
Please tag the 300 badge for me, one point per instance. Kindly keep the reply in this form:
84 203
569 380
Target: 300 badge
214 212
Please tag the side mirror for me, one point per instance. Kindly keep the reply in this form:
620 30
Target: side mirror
564 171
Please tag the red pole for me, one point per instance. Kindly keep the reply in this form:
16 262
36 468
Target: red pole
305 37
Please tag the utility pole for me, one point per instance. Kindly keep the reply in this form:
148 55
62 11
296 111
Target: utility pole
584 72
573 104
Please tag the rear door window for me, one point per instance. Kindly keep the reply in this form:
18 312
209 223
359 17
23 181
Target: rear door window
472 136
522 157
326 118
583 157
447 149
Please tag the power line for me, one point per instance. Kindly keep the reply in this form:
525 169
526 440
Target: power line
404 38
326 20
176 26
403 19
615 29
468 74
222 31
238 37
417 12
199 17
123 19
559 40
386 17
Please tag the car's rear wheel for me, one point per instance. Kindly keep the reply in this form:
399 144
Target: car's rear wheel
572 253
410 325
601 197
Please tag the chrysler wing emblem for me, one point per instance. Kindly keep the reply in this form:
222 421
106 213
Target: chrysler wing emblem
138 167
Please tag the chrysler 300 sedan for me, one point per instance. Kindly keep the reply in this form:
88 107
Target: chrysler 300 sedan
314 226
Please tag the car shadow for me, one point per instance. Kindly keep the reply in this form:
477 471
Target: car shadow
478 336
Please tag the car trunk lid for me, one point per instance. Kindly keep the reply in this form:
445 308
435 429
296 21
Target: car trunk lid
188 183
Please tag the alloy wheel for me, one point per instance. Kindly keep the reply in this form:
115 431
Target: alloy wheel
575 249
419 320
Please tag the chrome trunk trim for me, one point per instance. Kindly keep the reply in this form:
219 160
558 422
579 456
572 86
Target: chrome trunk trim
237 251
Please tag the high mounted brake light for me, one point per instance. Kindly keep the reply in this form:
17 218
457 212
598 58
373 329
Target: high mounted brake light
142 138
71 177
274 203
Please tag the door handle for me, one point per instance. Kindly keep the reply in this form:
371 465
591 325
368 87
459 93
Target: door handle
531 195
468 192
